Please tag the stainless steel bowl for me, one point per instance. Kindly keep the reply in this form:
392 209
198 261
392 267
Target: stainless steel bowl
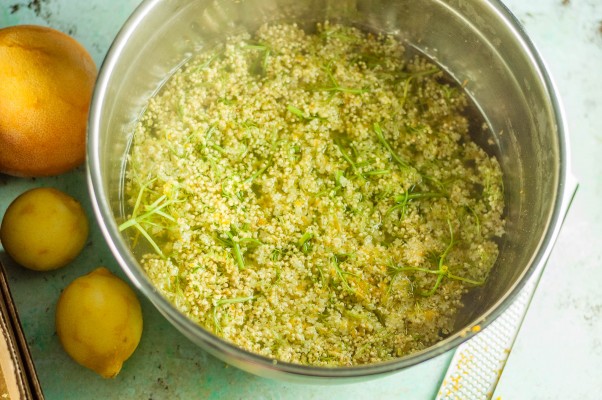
478 42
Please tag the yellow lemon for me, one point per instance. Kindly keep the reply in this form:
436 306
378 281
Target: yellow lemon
99 321
44 229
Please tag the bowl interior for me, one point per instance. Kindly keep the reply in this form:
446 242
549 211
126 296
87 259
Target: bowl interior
478 43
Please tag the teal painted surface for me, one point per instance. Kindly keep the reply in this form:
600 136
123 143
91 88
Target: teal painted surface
558 352
166 365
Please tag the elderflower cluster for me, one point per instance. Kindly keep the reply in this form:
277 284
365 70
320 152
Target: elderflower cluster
324 202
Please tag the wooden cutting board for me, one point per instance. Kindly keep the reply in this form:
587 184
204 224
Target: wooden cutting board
18 379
